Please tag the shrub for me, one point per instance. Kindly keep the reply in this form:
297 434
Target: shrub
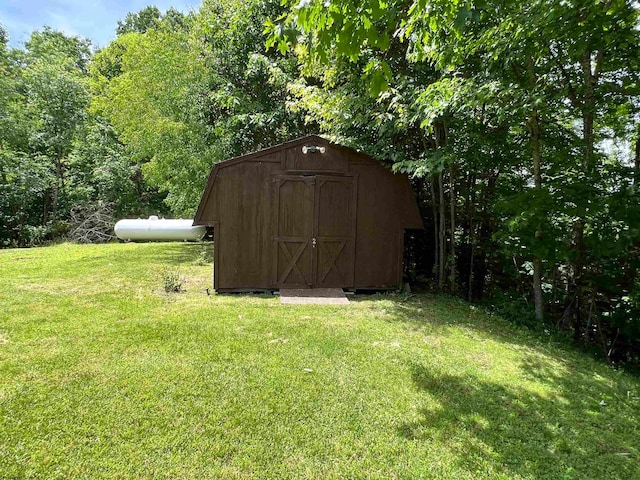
172 281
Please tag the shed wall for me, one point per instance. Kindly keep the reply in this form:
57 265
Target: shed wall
241 205
241 196
377 230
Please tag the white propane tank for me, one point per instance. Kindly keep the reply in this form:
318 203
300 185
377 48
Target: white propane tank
155 229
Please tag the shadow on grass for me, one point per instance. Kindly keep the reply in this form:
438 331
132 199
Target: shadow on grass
570 435
586 427
426 311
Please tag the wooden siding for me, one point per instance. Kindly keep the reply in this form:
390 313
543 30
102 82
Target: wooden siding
286 219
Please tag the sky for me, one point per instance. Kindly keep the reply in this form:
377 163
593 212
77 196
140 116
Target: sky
93 19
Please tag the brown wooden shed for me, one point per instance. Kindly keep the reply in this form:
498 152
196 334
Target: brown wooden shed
307 214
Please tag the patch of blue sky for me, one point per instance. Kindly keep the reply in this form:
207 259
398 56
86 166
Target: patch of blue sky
93 19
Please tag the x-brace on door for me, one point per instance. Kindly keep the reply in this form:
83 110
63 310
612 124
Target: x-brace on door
314 231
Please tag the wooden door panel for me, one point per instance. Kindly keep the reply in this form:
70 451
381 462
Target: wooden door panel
333 199
314 231
295 206
294 263
334 221
333 267
293 231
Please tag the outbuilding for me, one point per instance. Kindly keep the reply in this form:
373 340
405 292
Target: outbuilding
307 214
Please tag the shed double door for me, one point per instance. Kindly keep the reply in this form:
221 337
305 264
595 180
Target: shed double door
314 229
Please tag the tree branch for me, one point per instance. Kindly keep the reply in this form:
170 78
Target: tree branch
565 75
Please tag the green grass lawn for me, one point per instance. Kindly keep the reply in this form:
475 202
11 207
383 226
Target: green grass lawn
104 375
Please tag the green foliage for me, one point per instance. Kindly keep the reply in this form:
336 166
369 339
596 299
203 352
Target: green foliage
140 22
55 104
515 307
55 156
205 257
43 113
55 45
154 105
101 171
172 95
22 189
4 37
514 120
507 102
249 88
183 99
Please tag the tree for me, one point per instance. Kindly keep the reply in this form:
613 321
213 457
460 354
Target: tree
154 106
534 83
56 98
140 22
50 43
43 104
184 99
100 171
248 87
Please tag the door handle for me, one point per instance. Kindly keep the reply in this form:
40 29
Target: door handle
313 242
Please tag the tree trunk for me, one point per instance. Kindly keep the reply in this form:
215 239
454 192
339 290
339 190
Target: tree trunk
534 128
472 236
440 134
588 140
471 260
51 213
535 139
434 206
537 288
137 181
436 231
58 187
576 287
588 108
636 171
484 231
452 212
441 229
